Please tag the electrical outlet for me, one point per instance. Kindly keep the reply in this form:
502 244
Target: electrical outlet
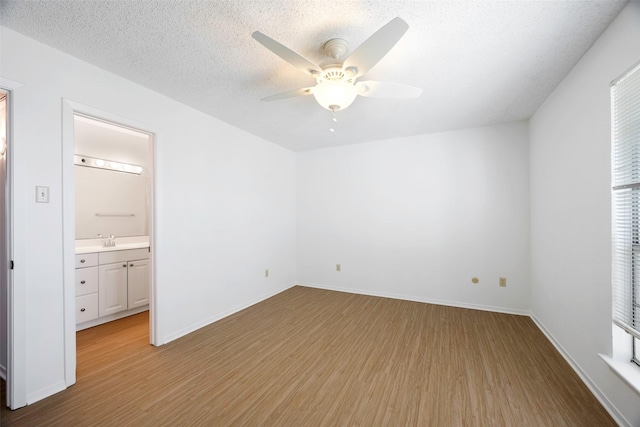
503 282
266 273
338 267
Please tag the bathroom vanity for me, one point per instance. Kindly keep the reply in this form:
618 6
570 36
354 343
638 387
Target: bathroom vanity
111 282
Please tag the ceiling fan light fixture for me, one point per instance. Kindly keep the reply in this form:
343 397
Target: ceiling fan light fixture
336 86
335 95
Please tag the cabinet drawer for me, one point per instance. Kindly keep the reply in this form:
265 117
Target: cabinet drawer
86 281
86 260
86 308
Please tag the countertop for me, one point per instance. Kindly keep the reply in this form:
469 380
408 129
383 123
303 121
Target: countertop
87 246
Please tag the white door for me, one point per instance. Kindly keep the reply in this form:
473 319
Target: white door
14 300
112 294
139 282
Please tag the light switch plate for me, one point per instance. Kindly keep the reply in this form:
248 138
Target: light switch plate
42 194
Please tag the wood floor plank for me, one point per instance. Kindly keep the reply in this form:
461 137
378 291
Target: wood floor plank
310 357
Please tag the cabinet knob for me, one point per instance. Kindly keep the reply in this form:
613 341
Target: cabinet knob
82 261
124 265
82 282
130 265
82 309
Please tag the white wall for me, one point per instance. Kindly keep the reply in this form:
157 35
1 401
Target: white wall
570 208
418 217
225 203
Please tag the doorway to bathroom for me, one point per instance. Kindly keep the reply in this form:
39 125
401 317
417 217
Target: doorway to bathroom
111 168
108 176
5 231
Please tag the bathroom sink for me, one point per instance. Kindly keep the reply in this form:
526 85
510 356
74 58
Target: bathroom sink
94 245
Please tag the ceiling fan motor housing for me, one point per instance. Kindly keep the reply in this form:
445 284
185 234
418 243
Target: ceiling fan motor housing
334 73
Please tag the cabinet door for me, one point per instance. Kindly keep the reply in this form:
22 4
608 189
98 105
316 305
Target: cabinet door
139 282
113 288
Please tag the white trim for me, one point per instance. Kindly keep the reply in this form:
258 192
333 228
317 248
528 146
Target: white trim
184 331
68 244
69 108
447 303
16 374
602 398
628 372
154 300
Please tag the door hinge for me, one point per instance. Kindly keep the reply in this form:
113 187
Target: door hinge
11 265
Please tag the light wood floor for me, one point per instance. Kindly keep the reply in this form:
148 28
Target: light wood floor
309 357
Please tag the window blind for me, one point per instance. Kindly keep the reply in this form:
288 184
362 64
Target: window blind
625 170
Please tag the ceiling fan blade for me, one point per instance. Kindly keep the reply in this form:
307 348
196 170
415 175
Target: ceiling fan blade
289 94
373 89
375 47
287 54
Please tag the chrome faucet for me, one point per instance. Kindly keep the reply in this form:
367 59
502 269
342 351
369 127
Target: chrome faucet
109 243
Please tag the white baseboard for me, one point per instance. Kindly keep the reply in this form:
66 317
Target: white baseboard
457 304
210 320
608 405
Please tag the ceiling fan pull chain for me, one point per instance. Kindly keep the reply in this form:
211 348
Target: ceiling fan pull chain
333 121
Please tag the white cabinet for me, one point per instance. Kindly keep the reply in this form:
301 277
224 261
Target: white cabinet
86 260
86 287
113 288
138 283
111 283
86 280
86 307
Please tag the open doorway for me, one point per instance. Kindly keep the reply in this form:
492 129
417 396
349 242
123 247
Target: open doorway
111 168
108 204
112 216
4 238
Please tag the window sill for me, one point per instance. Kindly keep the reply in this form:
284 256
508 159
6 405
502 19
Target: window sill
626 370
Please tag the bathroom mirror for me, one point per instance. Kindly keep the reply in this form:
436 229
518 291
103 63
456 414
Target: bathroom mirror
110 200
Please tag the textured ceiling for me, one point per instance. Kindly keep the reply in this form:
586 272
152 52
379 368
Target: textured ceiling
479 62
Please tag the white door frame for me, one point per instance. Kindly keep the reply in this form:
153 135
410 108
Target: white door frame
15 202
69 108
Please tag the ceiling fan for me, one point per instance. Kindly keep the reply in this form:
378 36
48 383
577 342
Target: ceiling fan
336 86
